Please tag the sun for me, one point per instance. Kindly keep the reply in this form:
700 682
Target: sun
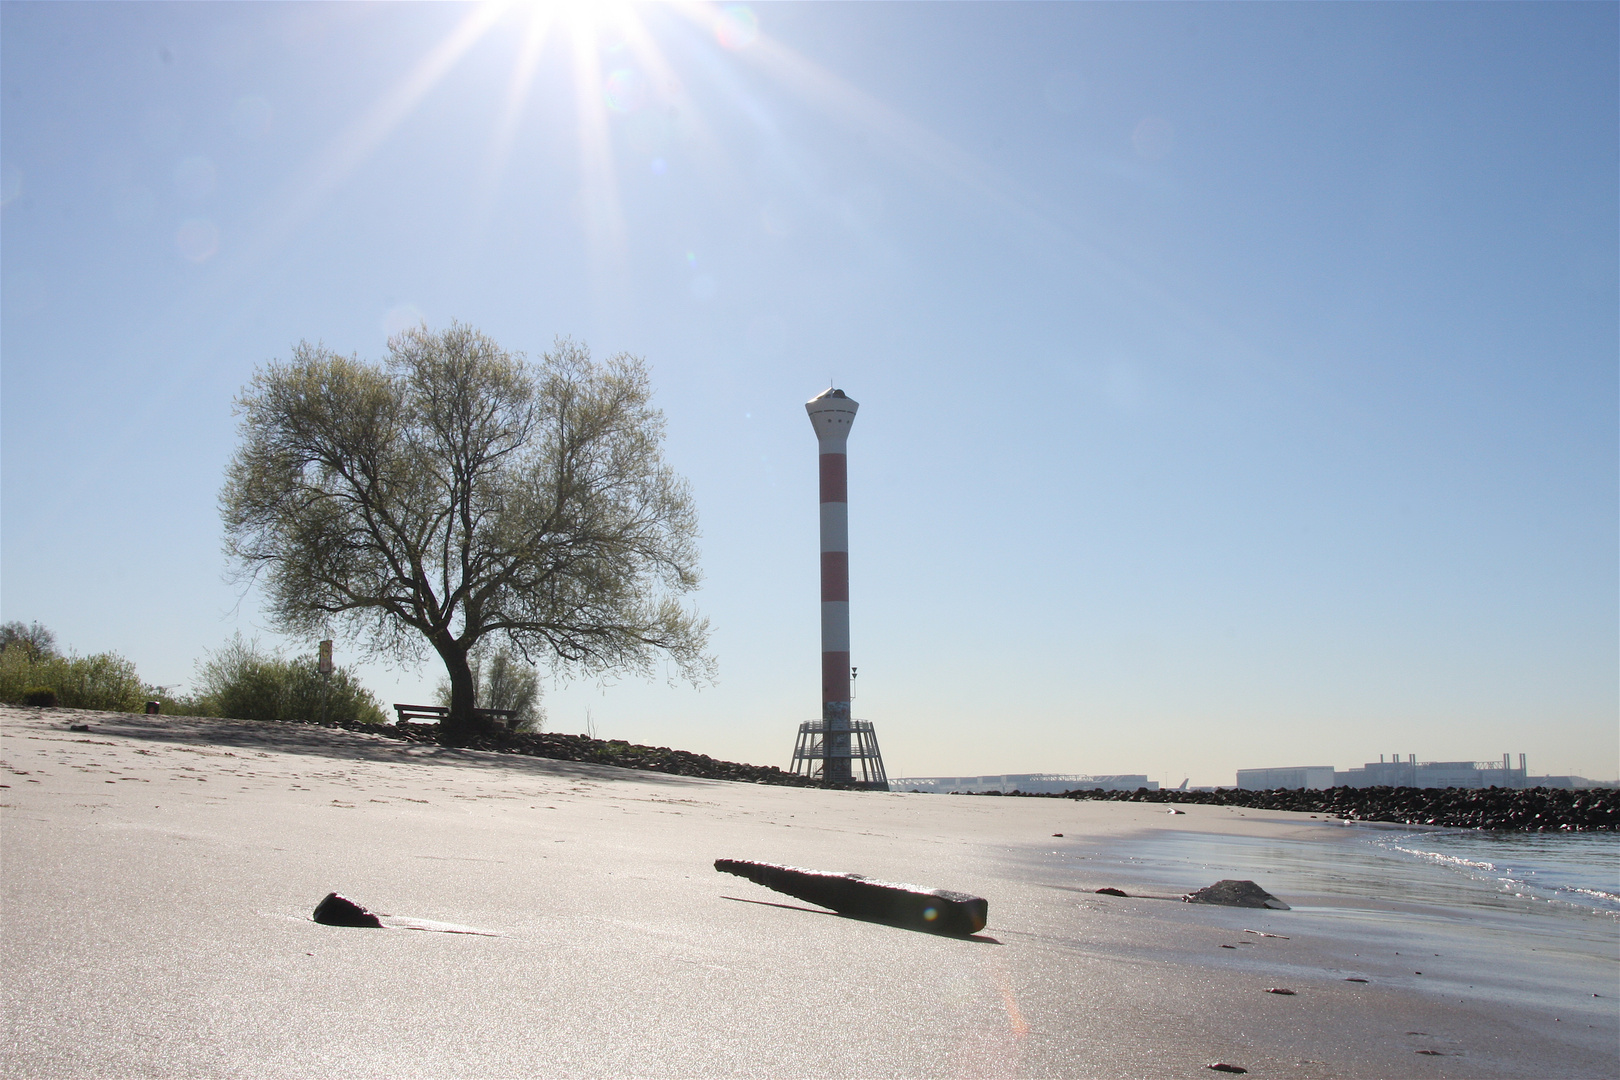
618 58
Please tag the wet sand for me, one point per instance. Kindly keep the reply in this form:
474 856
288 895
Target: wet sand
158 875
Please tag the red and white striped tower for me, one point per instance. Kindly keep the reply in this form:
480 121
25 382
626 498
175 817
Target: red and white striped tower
831 413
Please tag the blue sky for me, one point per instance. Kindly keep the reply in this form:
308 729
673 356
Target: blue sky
1238 382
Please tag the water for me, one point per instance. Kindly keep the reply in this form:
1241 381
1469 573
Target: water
1580 871
1455 869
1505 918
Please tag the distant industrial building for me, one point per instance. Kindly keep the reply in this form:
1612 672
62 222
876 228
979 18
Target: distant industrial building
1300 776
1030 783
1408 773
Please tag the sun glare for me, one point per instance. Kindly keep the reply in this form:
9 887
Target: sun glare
628 67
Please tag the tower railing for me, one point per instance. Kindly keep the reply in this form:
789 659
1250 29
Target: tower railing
851 752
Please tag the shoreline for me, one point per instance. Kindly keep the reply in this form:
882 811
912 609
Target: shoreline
159 879
1492 809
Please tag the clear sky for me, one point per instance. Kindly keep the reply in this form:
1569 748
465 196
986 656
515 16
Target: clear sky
1238 383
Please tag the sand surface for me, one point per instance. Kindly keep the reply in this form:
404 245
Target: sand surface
158 875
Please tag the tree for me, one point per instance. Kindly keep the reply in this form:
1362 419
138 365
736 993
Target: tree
501 680
35 640
458 491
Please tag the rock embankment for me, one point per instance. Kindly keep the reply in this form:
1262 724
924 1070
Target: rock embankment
1506 809
626 755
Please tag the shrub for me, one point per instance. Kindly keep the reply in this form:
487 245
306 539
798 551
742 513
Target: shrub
100 681
241 682
16 671
40 695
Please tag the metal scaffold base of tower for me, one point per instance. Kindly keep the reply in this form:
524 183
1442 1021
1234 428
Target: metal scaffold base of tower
840 752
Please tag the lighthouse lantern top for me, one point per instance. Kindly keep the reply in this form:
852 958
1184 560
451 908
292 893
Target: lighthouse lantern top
831 413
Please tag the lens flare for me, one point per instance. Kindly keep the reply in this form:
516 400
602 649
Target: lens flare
737 27
400 318
625 90
930 914
197 239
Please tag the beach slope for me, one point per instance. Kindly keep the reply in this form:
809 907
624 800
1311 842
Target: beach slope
159 874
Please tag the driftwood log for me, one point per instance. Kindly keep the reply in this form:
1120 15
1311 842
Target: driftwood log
937 911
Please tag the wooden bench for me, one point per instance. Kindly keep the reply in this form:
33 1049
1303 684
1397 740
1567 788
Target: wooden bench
435 714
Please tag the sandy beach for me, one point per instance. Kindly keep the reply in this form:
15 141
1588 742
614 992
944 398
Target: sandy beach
159 874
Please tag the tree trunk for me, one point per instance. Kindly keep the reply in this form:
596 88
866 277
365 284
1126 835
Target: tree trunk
459 728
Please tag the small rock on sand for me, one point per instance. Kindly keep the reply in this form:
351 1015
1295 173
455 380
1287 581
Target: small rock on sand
337 910
1231 893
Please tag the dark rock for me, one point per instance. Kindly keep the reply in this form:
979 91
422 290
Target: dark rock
1221 1066
937 911
1279 990
78 727
1230 893
559 747
1518 809
338 910
1111 891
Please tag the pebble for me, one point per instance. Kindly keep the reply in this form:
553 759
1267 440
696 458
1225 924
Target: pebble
335 910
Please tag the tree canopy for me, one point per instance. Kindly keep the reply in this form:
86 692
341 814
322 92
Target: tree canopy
457 491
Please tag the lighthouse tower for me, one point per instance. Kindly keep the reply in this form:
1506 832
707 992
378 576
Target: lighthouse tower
834 747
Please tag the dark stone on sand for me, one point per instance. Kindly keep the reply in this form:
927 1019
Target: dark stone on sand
1221 1066
1279 990
1111 891
338 910
937 911
1231 893
78 727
